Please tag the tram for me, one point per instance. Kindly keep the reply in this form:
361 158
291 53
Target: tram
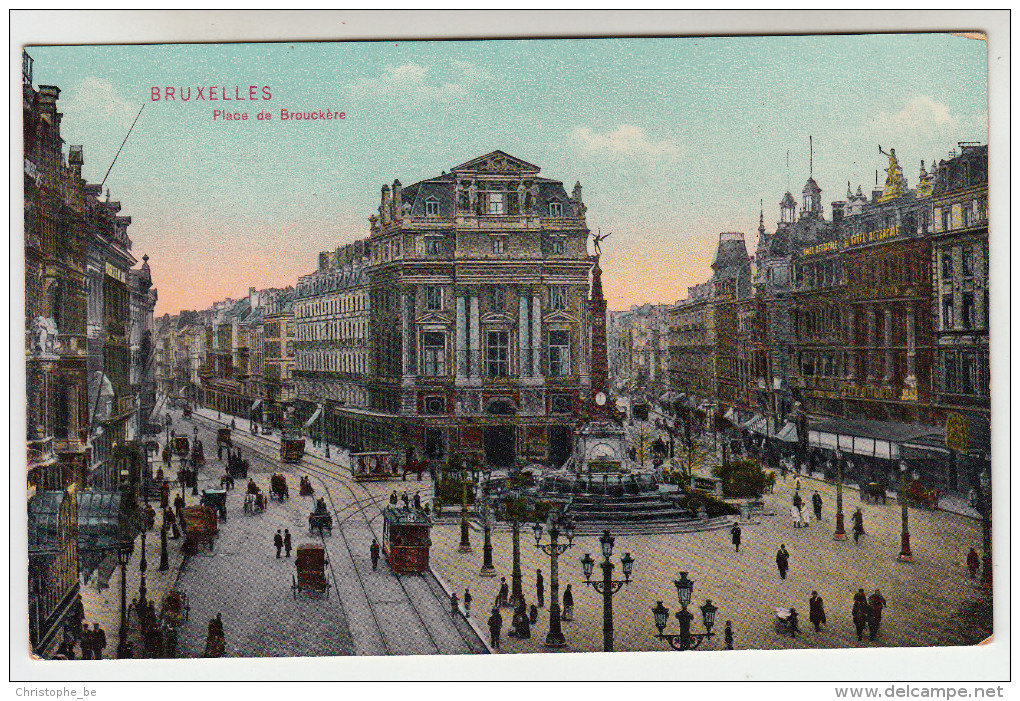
378 466
406 540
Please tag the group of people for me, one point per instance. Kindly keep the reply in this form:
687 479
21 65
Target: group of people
867 611
409 502
798 509
524 617
282 542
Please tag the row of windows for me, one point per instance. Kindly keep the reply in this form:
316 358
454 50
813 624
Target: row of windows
967 267
331 361
336 305
340 330
434 245
964 318
965 372
962 215
496 359
559 296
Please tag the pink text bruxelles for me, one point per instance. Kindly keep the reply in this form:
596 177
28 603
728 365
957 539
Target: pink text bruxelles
212 93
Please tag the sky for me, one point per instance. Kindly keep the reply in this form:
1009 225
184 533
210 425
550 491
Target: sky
674 140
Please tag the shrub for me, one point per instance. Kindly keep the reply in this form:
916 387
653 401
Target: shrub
713 507
449 491
742 478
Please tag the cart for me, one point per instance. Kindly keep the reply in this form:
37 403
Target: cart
175 608
278 488
216 499
236 466
180 445
292 449
223 437
311 570
254 503
199 527
320 519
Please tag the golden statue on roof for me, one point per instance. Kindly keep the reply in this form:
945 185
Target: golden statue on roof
895 183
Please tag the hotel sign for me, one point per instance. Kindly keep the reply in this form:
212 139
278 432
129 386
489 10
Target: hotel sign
862 239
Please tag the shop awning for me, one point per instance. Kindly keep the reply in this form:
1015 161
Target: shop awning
100 527
315 417
758 424
879 439
256 405
789 433
731 415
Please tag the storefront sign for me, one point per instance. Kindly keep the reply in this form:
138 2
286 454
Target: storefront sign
853 241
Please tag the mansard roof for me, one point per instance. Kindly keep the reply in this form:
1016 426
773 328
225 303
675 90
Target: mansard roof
498 162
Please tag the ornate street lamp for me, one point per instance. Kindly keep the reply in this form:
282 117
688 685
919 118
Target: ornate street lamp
840 533
465 541
685 639
608 586
123 557
164 563
557 524
143 565
487 569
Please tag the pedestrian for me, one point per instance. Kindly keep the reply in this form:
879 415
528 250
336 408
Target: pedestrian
735 534
179 507
973 562
728 635
454 604
802 516
87 643
393 498
286 541
816 501
522 627
792 620
495 628
816 611
169 522
568 604
219 452
858 519
875 605
861 612
467 602
417 502
164 495
533 614
540 588
504 592
374 552
278 542
407 502
782 561
795 515
99 640
233 425
797 501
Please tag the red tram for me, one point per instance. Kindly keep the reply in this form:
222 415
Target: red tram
406 540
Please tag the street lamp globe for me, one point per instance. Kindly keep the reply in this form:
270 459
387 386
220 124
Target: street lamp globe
661 614
588 565
607 541
568 530
124 552
537 530
684 589
628 565
708 614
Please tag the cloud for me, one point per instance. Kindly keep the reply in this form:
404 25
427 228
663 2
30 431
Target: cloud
415 83
921 113
95 99
627 140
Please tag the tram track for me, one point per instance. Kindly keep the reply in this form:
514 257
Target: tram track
320 468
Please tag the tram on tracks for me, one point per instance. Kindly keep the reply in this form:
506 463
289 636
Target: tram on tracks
406 540
379 466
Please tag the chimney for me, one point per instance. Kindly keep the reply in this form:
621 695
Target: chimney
837 212
397 199
76 159
875 194
384 206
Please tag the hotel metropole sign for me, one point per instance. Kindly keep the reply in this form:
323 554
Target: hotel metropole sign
853 241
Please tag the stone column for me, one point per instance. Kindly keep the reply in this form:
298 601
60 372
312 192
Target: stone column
536 335
461 349
887 377
851 368
911 378
523 337
476 340
407 347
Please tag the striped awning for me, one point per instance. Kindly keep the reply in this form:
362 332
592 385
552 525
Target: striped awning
758 424
315 417
256 405
789 433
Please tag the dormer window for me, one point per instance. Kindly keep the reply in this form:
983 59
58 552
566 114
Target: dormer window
431 207
555 209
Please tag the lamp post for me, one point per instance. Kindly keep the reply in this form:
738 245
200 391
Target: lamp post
685 639
143 565
554 549
164 563
608 586
985 503
465 541
840 533
194 465
123 557
905 554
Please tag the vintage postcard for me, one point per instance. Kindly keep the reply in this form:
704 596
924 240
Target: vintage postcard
509 346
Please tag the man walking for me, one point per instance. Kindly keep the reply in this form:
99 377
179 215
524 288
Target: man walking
876 603
504 592
99 640
816 501
782 561
86 643
286 541
467 602
735 532
278 542
374 552
861 612
169 522
495 628
454 605
973 562
728 635
540 588
858 519
816 611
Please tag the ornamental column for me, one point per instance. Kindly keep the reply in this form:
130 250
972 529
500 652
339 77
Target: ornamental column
523 338
536 335
911 378
887 377
461 352
476 341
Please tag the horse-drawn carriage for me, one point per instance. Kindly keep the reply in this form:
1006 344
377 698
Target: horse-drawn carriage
320 520
916 494
236 466
311 570
175 608
374 466
254 499
873 492
199 527
223 437
216 499
187 412
415 467
292 449
306 487
278 487
406 540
